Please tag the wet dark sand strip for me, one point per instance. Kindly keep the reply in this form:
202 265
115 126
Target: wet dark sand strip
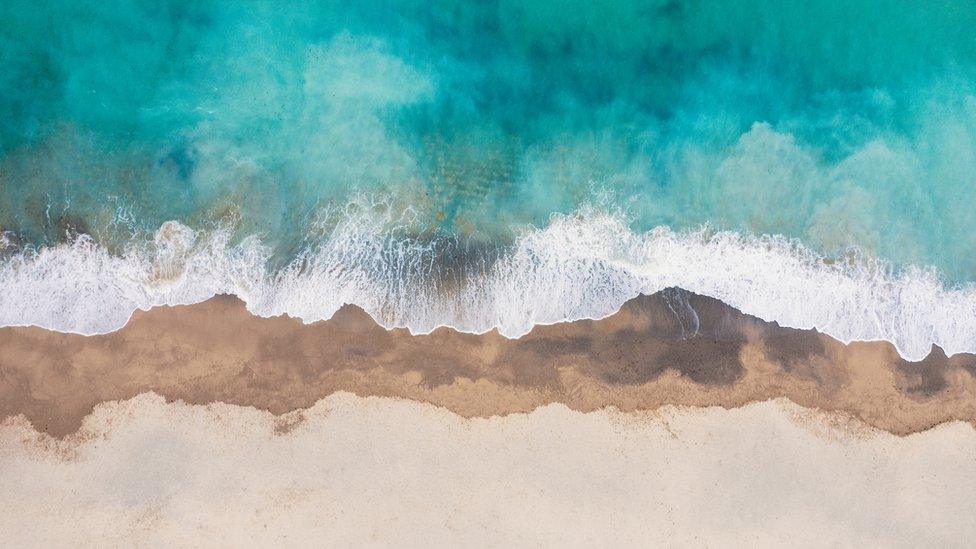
670 348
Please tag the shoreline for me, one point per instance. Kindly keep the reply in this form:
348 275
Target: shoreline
578 267
645 356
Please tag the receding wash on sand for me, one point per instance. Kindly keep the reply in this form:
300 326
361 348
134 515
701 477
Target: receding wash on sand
717 255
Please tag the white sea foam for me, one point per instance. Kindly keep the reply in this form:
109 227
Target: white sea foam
584 265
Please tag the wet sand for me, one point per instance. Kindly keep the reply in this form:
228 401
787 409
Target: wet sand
391 472
669 348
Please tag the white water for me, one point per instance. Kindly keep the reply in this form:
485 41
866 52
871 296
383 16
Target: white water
581 266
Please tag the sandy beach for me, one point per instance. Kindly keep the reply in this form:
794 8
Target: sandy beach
670 348
393 472
678 420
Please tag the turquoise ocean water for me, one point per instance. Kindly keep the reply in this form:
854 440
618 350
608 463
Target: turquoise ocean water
411 156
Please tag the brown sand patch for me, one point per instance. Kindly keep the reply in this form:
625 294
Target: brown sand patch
670 348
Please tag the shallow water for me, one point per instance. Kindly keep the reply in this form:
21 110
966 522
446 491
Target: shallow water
838 124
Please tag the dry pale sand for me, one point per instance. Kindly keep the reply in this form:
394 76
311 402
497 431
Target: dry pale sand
669 348
381 471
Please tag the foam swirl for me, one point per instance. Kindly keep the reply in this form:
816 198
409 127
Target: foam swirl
584 265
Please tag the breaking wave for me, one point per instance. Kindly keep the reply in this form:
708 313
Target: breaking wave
584 265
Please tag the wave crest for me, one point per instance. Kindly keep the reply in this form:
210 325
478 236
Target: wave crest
584 265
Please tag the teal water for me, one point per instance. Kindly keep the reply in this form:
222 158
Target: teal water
840 123
492 164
